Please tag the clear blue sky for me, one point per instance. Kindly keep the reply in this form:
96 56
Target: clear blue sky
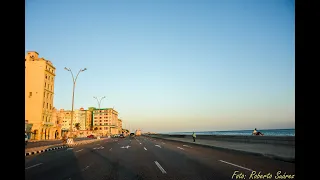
169 65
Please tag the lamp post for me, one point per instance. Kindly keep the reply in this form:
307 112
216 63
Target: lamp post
99 102
74 79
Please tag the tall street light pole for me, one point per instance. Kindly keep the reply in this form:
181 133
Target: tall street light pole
74 86
99 103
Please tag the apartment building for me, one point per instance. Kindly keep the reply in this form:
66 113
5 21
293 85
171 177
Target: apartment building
88 125
105 121
56 129
119 126
39 95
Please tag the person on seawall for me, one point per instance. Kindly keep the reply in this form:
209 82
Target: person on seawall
194 137
257 133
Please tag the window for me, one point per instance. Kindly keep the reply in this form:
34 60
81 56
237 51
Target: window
47 106
44 104
45 84
30 94
46 76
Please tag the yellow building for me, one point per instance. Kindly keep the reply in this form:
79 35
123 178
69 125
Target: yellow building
88 120
105 121
39 93
56 129
81 116
119 126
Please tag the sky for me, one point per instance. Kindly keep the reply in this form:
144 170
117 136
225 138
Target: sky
172 65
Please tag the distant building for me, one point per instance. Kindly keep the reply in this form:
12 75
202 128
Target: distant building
138 133
39 93
56 119
119 126
105 121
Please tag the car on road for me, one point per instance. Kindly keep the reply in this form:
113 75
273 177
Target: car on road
90 136
121 136
132 134
25 139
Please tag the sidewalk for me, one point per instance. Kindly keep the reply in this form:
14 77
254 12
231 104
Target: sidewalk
279 152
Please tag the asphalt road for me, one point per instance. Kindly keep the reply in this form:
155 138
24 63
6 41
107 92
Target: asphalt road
50 142
142 158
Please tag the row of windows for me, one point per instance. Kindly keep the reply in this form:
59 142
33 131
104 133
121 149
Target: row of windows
49 69
101 121
48 86
106 117
47 106
105 128
48 95
103 124
50 78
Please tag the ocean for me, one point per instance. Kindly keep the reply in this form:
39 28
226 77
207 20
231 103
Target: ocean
266 132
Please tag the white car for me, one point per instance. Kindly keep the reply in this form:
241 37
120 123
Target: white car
25 139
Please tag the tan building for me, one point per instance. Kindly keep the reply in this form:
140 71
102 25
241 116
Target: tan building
119 125
105 121
56 129
39 93
89 120
81 116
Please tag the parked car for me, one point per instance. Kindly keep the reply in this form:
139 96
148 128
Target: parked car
121 136
25 139
90 136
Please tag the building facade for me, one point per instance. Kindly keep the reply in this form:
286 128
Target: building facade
119 125
88 120
39 95
105 121
57 126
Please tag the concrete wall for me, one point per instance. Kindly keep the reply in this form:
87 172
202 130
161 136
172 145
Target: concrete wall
276 140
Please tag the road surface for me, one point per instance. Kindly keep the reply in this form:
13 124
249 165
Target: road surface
143 158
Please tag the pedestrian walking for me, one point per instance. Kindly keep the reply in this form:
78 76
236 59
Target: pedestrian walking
194 137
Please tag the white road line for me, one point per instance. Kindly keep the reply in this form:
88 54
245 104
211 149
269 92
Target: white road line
163 143
158 146
145 148
180 148
79 150
34 166
236 165
140 143
187 146
86 167
159 166
110 149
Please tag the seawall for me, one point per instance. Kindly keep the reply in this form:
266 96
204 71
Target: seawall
275 140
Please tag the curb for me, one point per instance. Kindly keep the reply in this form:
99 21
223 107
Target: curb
290 160
55 148
43 150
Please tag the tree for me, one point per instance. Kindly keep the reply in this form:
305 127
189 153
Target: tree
77 126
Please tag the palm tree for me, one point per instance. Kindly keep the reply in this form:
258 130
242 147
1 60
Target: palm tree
77 126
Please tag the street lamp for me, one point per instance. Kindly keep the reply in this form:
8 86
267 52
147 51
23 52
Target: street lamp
99 102
74 86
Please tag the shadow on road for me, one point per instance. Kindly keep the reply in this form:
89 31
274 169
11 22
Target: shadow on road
55 165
